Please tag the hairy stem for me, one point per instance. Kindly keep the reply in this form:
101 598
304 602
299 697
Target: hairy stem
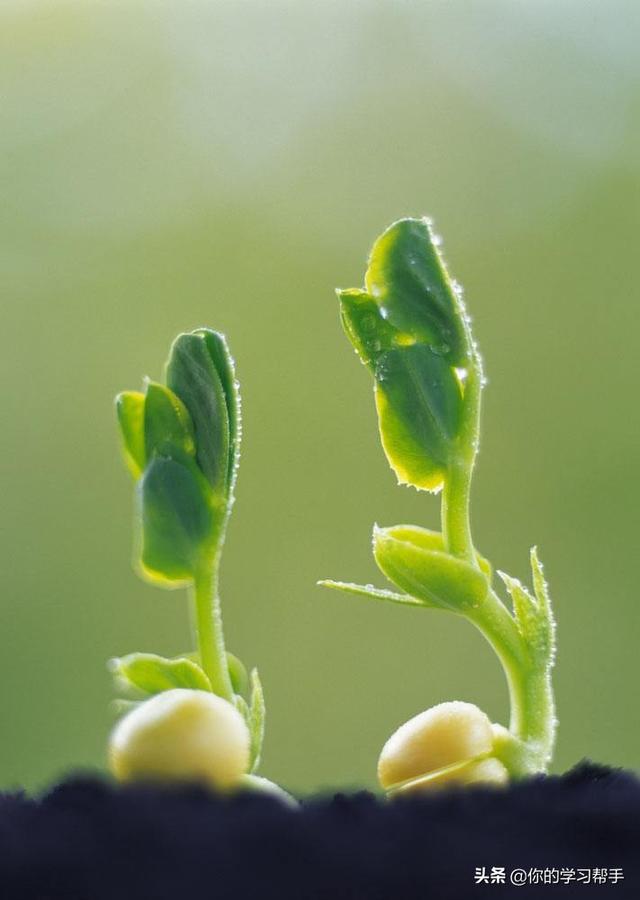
208 626
533 718
456 525
533 722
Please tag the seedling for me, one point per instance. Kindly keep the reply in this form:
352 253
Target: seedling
410 328
197 715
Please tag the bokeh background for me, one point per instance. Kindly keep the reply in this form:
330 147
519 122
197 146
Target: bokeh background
167 165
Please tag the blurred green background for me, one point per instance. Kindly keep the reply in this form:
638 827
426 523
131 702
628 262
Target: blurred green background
167 165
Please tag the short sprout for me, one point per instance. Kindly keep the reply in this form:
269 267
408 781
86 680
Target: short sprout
199 714
451 742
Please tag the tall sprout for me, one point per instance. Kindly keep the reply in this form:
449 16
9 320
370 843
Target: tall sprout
409 326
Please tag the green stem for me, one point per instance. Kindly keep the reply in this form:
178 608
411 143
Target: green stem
208 621
456 525
532 723
527 747
533 713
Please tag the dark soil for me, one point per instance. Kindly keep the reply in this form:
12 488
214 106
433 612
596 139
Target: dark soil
89 840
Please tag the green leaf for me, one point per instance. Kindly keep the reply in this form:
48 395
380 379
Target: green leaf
408 279
368 590
421 537
430 575
256 720
432 540
192 375
366 327
419 402
225 367
547 636
243 707
525 607
237 674
408 326
130 412
153 674
539 583
167 423
178 521
534 617
237 671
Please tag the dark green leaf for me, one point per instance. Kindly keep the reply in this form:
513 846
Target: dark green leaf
407 278
408 326
178 521
192 375
224 365
419 402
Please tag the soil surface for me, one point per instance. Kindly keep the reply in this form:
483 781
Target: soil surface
572 836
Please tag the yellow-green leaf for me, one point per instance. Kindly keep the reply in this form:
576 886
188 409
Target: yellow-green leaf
167 423
430 575
152 674
130 412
